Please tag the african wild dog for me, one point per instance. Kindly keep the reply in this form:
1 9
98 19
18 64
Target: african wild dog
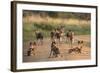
54 50
39 37
75 49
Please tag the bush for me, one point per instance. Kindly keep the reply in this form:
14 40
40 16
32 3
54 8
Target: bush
29 29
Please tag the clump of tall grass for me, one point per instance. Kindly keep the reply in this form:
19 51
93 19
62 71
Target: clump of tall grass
49 20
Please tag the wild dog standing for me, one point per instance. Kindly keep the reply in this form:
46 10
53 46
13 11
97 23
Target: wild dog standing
57 35
52 34
70 37
62 33
39 37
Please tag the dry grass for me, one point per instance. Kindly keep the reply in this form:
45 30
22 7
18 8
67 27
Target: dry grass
49 20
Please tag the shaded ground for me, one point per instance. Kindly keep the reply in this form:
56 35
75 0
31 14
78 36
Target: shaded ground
43 51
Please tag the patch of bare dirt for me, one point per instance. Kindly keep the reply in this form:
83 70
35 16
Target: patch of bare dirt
42 51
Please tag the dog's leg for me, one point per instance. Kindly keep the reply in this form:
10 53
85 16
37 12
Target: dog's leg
50 54
79 50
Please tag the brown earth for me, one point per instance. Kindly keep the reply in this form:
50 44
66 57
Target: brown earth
42 51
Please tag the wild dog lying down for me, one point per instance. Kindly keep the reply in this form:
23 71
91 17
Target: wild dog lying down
75 49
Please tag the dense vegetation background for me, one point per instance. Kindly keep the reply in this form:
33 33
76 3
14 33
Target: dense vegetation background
46 21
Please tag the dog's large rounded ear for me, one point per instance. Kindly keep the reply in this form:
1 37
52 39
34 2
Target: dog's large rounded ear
81 47
81 41
78 42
